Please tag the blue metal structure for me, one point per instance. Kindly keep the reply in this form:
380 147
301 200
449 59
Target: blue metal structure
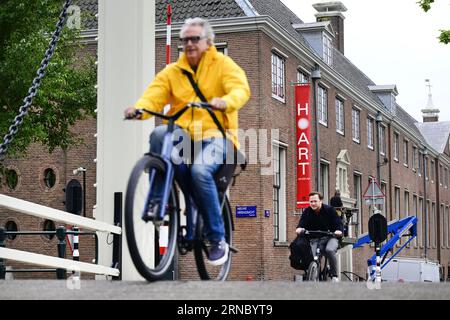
397 229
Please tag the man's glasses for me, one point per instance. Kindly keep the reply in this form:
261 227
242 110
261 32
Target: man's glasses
194 39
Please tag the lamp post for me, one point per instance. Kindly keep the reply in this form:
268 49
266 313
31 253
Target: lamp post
316 76
76 172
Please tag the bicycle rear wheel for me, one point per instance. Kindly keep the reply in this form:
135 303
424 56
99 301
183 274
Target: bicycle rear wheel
313 271
201 248
143 237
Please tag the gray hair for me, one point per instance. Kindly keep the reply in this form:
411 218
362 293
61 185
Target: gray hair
207 29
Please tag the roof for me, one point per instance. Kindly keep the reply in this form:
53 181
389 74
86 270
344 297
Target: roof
435 133
89 9
210 9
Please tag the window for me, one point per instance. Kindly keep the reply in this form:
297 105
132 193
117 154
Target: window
302 77
405 152
339 116
447 225
442 225
433 227
406 202
49 178
427 169
327 50
397 203
357 195
382 139
420 222
441 173
322 105
396 148
12 179
415 211
370 133
11 226
419 164
49 225
428 225
432 171
446 177
415 158
356 135
279 192
278 72
324 178
383 189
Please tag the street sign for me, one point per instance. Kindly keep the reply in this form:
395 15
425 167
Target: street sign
245 211
374 194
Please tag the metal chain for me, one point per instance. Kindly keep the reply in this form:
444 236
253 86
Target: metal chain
36 82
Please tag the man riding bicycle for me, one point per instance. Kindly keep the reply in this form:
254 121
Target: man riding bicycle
201 73
322 217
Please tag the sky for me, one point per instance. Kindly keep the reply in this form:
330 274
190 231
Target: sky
395 42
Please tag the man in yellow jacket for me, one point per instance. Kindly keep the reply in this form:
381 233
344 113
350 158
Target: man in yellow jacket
224 85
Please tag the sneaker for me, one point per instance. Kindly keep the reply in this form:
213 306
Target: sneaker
218 253
335 279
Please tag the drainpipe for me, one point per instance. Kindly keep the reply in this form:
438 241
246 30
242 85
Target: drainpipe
316 76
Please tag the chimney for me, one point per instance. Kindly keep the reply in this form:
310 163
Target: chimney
430 113
332 11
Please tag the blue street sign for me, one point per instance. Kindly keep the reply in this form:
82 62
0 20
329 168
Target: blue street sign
245 211
267 213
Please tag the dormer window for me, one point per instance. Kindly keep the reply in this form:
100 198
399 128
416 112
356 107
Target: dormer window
327 49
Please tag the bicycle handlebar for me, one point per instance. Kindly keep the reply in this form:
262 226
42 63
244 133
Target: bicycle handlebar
319 233
176 115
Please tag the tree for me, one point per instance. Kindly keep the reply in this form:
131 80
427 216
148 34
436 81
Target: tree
444 37
67 92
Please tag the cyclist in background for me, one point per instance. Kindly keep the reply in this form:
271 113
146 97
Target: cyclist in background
320 216
223 84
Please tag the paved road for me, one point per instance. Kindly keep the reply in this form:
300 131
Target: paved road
230 290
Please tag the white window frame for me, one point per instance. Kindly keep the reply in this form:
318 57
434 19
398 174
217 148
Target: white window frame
302 77
324 180
420 220
415 158
279 190
278 64
322 105
396 146
369 130
340 116
405 152
327 49
382 138
397 202
357 192
356 125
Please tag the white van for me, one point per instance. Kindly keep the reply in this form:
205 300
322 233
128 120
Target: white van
411 270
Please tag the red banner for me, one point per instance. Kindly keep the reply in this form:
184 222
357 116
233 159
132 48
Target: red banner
303 120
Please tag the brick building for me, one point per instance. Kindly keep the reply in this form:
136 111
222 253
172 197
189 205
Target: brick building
276 48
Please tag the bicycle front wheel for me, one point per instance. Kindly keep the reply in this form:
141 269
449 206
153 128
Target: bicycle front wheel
201 248
313 271
151 247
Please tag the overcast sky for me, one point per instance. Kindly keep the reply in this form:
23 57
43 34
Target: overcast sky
394 42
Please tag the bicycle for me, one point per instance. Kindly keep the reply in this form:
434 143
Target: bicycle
318 271
141 222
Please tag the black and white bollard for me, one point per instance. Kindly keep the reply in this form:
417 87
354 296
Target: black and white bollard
76 253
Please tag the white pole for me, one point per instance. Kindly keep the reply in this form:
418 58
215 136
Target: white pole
126 62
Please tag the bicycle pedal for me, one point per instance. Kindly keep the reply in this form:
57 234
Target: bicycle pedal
234 249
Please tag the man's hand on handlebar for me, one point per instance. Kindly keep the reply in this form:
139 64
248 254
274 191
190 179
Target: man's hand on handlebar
218 104
131 113
300 230
338 233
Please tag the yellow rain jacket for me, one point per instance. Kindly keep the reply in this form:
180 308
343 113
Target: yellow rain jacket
217 76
